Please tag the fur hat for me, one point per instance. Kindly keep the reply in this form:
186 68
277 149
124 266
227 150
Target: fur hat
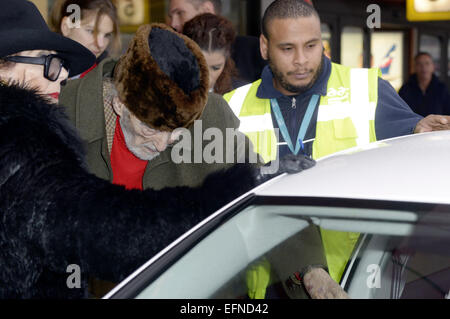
163 78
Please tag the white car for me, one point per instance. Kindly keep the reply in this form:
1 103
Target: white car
395 193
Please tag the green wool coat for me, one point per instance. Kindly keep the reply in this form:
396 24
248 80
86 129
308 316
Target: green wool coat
83 100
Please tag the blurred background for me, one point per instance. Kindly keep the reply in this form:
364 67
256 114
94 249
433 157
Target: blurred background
407 27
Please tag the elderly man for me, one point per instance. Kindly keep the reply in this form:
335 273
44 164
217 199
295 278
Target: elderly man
245 50
127 112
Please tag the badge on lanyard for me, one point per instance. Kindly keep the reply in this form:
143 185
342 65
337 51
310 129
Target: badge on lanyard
299 146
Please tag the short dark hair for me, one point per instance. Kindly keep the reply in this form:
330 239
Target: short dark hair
216 3
422 53
285 9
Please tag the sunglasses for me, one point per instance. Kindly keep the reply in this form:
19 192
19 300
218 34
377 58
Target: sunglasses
52 63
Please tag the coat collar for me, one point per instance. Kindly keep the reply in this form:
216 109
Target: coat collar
89 95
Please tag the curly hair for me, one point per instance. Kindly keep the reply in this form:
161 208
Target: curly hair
215 33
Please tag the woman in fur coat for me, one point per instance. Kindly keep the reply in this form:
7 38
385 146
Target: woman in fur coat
53 213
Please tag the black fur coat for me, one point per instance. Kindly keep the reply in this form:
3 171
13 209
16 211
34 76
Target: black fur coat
54 214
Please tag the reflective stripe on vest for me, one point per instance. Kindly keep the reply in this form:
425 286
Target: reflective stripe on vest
236 98
256 119
346 118
353 123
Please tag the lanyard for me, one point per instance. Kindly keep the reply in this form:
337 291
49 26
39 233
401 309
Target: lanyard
304 126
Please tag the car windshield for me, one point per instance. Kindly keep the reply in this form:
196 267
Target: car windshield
398 250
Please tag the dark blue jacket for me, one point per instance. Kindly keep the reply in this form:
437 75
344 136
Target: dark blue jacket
393 117
435 100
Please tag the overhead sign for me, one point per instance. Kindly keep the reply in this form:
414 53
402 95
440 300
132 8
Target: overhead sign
427 10
132 12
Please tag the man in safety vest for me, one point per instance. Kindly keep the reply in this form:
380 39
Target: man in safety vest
319 107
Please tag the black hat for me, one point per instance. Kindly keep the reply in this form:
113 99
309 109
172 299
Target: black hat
23 28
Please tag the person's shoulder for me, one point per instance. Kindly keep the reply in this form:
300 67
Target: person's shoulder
441 86
106 67
88 86
215 106
217 113
411 81
348 69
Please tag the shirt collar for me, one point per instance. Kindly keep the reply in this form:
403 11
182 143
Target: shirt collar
267 91
415 81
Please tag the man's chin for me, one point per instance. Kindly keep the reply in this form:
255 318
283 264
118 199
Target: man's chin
145 156
297 89
149 157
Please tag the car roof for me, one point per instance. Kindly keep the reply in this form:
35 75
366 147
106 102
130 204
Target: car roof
413 168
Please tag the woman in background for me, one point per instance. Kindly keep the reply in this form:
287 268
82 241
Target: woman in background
98 29
215 35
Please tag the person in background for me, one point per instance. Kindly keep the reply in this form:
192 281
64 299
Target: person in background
245 49
423 91
215 35
98 29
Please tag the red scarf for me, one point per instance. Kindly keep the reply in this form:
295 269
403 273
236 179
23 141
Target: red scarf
82 75
128 170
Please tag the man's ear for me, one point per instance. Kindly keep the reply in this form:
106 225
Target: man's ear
263 46
118 106
207 7
65 29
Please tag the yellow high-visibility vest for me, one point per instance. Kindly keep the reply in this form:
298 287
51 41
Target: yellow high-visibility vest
346 118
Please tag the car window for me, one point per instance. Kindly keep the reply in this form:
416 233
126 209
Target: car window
395 254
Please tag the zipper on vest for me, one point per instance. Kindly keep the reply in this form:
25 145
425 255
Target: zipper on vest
294 103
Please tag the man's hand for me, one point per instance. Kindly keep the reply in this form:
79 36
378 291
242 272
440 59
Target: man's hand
290 164
433 123
320 285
